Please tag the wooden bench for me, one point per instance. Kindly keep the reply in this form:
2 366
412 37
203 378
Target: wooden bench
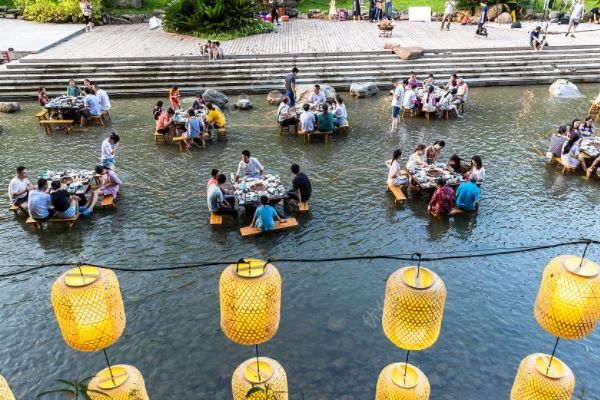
181 141
95 120
286 129
54 220
20 207
42 115
398 195
47 124
303 207
105 114
558 160
457 211
108 201
159 138
342 129
308 135
252 230
216 219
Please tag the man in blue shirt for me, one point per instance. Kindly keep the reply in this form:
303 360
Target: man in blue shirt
194 128
265 216
91 106
468 195
40 202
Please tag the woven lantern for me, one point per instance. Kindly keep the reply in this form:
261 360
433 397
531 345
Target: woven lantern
89 308
5 393
413 308
125 383
263 372
568 302
250 296
400 381
537 379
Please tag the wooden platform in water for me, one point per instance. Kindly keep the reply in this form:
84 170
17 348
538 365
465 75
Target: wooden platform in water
252 230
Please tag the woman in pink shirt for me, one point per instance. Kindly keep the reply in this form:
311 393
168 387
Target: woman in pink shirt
110 187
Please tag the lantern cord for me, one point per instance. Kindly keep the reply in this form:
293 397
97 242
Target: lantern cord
406 366
584 251
419 257
109 367
552 356
237 265
257 362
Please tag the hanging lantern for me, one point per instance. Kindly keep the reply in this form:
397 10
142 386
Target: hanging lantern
250 296
568 302
120 382
400 381
265 373
5 393
413 308
538 379
89 308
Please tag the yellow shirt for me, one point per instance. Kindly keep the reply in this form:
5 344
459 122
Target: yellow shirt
216 117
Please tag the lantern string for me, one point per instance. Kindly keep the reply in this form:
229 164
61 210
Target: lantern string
584 252
257 362
552 356
237 264
406 366
109 367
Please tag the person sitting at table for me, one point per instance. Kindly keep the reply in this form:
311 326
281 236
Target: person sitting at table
570 152
301 186
40 202
265 216
158 109
91 106
477 171
340 114
214 173
248 167
194 128
574 128
307 119
214 116
448 103
430 81
429 101
452 82
164 122
556 142
442 200
587 130
325 119
413 81
462 92
286 116
102 97
110 187
88 85
468 195
455 164
396 176
198 103
19 187
417 159
72 89
217 203
43 96
410 99
317 97
432 153
109 149
65 205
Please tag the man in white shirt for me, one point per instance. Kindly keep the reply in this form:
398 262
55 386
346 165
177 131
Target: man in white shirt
19 187
397 100
317 97
462 91
448 14
307 119
410 98
109 148
286 116
248 167
102 97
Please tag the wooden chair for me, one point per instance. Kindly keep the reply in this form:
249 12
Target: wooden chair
105 114
108 201
159 138
70 222
398 195
47 124
16 208
216 219
43 114
252 230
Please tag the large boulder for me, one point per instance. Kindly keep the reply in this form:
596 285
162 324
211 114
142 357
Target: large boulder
495 11
304 91
243 104
408 53
10 107
367 89
504 18
554 14
215 97
563 89
274 97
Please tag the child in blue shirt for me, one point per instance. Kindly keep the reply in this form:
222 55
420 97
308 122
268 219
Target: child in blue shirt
265 216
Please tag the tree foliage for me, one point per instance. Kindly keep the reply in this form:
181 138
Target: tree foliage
54 10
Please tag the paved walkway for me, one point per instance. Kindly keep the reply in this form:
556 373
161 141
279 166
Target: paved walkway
302 36
32 37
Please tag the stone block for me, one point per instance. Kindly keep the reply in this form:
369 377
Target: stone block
409 53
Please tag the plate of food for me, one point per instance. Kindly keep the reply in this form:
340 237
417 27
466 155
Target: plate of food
434 172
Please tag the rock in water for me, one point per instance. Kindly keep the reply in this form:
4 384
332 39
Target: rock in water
563 89
364 89
274 97
408 53
10 107
215 97
243 104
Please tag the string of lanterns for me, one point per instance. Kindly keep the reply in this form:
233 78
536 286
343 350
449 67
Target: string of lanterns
91 316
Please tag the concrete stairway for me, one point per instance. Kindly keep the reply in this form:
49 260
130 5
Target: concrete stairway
251 74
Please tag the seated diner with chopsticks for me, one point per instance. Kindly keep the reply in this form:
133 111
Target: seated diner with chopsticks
325 119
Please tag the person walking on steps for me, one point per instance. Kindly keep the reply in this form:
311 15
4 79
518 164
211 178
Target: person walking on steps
576 15
448 14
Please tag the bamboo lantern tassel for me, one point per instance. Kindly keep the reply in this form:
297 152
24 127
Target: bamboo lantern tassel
5 393
89 308
262 372
413 308
250 298
568 302
119 382
402 381
543 377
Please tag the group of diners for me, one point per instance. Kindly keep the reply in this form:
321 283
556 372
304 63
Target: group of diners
212 50
222 202
95 100
195 123
566 144
427 96
444 198
51 199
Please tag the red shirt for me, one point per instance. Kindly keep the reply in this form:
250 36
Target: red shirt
163 121
442 200
211 181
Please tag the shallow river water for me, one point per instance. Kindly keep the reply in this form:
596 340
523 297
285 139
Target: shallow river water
330 339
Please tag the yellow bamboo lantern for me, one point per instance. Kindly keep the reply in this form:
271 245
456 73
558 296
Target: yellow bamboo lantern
400 381
261 372
540 379
568 302
250 296
120 382
413 308
5 393
89 308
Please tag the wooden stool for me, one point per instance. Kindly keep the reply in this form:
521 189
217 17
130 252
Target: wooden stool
108 201
180 140
105 114
216 219
252 230
284 129
42 114
159 138
398 195
342 129
95 119
16 208
446 113
303 207
406 111
222 134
